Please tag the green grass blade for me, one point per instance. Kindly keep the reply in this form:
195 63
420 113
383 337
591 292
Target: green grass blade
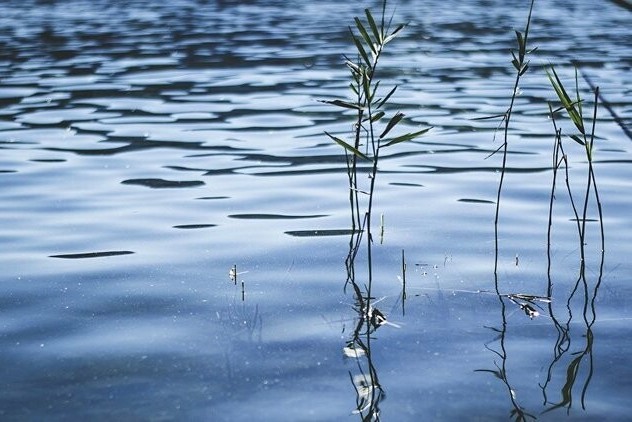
347 147
577 139
566 101
376 32
393 34
365 35
407 137
361 49
383 101
522 48
377 116
343 104
392 123
495 116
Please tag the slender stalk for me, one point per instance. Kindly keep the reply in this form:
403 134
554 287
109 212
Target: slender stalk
521 67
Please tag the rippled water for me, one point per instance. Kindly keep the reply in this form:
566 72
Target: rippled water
147 147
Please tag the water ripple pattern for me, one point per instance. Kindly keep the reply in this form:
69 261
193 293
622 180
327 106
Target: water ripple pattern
146 147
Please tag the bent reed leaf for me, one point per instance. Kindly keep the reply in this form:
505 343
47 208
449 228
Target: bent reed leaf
376 33
392 123
365 35
343 104
360 48
406 137
383 101
348 147
395 32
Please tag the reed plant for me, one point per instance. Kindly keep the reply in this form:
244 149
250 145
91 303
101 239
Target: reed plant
521 65
584 128
373 127
373 131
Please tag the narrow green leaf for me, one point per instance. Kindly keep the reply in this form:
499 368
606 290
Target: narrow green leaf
566 101
354 67
521 45
495 116
515 62
343 104
577 96
392 123
394 33
373 91
361 50
366 85
365 35
347 147
377 116
524 69
376 33
383 101
577 139
407 137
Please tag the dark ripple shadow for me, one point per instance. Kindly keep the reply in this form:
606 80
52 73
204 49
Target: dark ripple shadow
194 226
475 201
320 233
415 185
206 198
274 216
91 254
452 170
163 184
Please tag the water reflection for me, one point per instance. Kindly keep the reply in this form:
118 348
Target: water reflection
365 380
189 131
573 362
571 367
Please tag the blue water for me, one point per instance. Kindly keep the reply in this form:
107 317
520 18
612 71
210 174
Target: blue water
146 148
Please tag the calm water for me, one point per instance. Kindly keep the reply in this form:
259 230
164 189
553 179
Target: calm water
147 147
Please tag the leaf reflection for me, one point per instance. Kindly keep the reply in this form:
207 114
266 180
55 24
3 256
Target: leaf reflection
365 381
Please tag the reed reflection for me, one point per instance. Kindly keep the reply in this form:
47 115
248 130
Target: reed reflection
365 380
572 362
372 131
571 367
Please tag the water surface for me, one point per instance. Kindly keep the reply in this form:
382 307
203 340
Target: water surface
148 147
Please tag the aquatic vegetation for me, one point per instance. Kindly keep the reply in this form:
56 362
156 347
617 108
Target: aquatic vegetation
521 65
372 128
372 132
581 359
530 304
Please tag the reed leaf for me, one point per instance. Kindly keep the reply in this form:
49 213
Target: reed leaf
383 101
392 123
406 137
393 34
377 116
376 33
577 139
348 147
360 48
565 99
343 104
365 35
495 116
